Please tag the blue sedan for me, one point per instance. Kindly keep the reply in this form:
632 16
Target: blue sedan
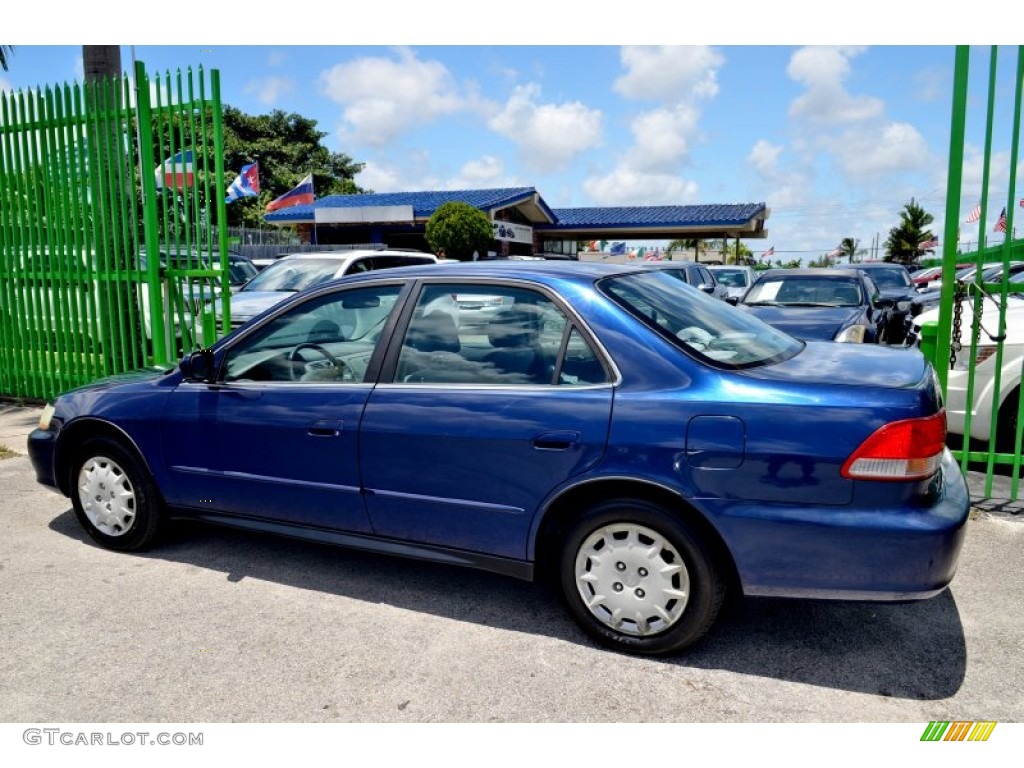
643 446
820 304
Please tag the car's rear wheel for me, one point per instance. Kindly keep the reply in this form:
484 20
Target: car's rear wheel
1006 428
638 579
114 497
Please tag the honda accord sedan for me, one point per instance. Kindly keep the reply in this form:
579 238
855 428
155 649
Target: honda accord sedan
641 445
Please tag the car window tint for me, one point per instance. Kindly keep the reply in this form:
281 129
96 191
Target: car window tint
462 334
326 339
580 365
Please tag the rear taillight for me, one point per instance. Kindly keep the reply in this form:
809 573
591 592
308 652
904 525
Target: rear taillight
901 450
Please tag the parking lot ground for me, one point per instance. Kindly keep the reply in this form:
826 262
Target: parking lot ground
224 626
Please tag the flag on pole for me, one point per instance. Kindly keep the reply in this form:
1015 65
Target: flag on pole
929 245
617 248
176 171
768 254
975 214
246 184
301 194
835 253
1001 224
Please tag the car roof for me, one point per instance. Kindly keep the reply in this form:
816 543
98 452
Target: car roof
815 271
355 254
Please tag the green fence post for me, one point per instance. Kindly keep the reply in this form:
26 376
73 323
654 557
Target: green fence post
930 342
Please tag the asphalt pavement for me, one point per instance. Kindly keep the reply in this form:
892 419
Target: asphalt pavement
224 626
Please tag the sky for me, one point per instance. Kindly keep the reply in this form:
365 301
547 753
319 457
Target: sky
835 138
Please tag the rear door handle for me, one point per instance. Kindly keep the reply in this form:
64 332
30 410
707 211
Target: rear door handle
556 441
325 428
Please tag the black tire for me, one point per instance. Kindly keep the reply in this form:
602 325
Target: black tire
114 496
661 622
1006 426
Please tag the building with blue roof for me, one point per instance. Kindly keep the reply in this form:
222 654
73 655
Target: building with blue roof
524 224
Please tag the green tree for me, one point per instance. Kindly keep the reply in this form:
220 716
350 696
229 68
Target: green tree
5 54
698 247
848 248
287 146
458 229
903 241
736 252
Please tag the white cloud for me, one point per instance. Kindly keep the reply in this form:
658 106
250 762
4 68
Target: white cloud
669 73
487 171
269 90
661 138
826 101
386 97
624 186
548 135
5 85
276 58
764 157
867 152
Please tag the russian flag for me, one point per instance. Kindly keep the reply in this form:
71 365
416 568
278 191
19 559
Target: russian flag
302 194
176 171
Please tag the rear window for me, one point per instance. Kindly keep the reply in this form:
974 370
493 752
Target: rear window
705 327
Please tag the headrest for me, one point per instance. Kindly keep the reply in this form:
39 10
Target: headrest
517 326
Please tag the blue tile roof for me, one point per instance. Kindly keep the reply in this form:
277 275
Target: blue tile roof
423 203
655 216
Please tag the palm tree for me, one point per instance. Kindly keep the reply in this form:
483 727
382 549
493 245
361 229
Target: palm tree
5 54
848 248
680 245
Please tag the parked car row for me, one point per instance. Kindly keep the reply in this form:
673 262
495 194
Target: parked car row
640 444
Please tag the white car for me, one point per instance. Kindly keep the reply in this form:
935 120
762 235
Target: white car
291 274
985 399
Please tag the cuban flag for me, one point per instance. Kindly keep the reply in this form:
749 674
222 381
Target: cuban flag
176 171
246 184
302 194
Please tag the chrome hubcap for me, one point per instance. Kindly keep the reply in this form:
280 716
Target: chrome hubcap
632 579
107 496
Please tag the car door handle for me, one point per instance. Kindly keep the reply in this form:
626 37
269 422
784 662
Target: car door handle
556 441
325 428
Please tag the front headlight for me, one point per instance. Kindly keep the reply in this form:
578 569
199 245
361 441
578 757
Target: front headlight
854 333
46 416
903 306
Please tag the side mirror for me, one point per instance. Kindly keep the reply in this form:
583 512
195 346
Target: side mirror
734 300
199 366
707 287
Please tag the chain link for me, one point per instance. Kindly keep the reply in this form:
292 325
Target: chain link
958 311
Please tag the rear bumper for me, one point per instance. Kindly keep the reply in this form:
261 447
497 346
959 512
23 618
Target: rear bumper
846 553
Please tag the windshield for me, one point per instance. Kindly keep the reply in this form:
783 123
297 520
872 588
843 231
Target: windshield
294 274
806 291
706 327
731 278
240 269
890 277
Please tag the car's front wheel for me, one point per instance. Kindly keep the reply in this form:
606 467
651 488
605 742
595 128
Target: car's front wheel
638 579
114 497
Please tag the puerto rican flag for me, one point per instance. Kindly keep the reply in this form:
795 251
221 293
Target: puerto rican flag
176 171
302 194
246 184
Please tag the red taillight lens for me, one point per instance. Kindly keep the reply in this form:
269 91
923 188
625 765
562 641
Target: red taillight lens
902 450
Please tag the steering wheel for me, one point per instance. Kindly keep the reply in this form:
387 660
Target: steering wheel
329 369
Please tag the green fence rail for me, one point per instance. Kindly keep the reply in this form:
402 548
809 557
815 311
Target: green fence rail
972 326
81 294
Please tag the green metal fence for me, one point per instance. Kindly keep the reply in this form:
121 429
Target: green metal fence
980 372
101 271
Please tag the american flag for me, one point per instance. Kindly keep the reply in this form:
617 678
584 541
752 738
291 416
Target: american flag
1001 224
768 254
975 214
929 245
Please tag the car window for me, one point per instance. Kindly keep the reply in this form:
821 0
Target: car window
705 327
890 277
511 336
328 339
705 276
294 274
731 278
806 290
